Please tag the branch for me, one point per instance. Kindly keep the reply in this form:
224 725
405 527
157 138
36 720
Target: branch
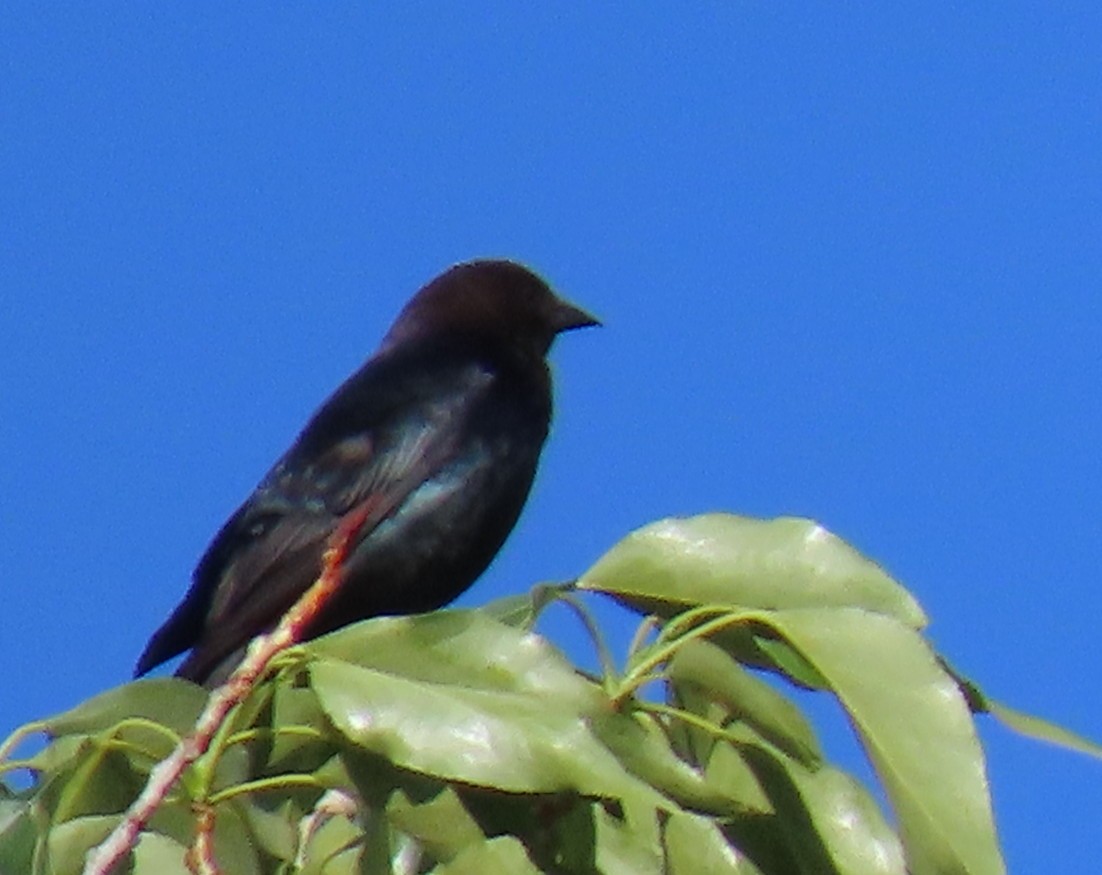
102 859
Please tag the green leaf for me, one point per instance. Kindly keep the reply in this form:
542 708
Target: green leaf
1043 730
441 825
557 830
462 697
102 781
695 844
726 560
59 754
374 778
233 842
274 832
459 647
68 843
168 701
334 849
521 743
775 654
763 839
747 698
156 854
643 750
916 728
502 854
1021 722
628 840
788 840
522 611
297 708
18 835
857 837
829 822
727 768
174 819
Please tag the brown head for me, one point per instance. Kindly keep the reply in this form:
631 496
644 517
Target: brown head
500 300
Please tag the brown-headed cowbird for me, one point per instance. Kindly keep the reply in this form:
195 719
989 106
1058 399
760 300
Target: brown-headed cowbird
438 434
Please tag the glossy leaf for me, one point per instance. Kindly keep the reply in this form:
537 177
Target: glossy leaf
857 837
274 832
739 562
745 697
461 648
18 835
233 843
1043 730
916 728
643 749
502 854
442 825
334 849
728 769
447 728
695 844
628 842
463 697
518 742
830 823
159 854
1021 722
169 701
68 843
522 611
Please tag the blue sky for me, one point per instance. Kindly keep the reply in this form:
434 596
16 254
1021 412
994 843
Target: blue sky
848 259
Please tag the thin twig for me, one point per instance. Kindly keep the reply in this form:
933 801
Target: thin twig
200 857
604 655
333 803
16 738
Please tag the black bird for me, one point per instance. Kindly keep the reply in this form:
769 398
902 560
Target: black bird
438 435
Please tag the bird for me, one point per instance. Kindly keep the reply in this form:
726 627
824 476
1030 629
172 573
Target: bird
435 440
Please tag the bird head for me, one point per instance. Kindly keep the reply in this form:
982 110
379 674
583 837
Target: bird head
500 301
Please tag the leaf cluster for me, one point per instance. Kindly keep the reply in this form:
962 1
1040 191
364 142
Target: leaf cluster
462 741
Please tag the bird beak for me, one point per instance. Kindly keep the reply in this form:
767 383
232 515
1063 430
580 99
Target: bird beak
569 317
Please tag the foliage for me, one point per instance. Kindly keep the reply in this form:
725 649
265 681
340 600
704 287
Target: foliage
461 741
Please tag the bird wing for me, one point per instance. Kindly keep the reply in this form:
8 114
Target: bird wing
368 448
293 517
